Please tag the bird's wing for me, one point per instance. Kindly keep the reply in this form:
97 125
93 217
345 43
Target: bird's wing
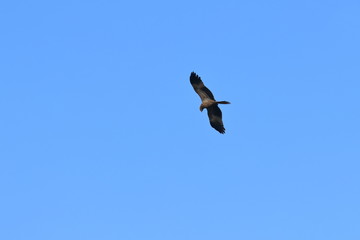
200 88
215 117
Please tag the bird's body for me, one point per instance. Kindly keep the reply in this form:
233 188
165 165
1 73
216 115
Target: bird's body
208 101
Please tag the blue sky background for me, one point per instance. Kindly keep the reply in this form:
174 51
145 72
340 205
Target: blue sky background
102 137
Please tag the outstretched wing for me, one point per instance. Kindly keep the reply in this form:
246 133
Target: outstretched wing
200 88
215 117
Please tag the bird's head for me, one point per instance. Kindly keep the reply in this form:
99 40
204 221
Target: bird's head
201 108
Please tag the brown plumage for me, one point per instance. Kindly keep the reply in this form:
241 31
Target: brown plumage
208 101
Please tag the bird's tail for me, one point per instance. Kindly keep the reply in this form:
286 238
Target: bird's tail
222 102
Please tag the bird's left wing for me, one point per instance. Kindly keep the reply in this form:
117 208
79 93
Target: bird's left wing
200 88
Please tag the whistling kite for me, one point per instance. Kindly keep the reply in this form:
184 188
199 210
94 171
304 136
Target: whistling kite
208 102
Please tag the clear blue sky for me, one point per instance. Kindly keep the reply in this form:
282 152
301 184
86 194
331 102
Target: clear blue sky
102 137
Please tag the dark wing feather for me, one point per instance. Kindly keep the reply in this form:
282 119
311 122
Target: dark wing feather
215 117
200 88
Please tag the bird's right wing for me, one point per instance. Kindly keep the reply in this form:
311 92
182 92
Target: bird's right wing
215 117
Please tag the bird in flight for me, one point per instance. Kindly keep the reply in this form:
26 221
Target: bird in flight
208 101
